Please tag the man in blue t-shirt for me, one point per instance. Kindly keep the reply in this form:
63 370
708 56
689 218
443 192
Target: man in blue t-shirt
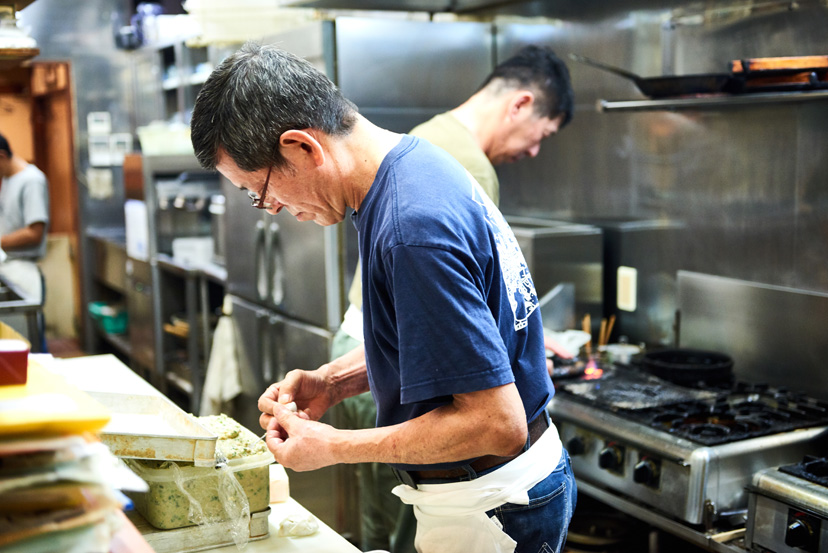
453 352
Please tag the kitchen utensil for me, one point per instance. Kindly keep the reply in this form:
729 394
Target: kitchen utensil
602 333
688 367
671 85
610 324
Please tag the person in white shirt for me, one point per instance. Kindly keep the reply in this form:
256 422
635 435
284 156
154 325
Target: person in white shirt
24 221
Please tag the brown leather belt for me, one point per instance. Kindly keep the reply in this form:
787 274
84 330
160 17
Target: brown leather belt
411 477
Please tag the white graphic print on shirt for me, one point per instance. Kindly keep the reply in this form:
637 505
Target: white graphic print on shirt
512 263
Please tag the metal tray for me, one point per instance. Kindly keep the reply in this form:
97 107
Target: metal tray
197 538
153 427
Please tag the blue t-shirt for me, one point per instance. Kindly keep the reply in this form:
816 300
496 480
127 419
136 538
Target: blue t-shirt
449 305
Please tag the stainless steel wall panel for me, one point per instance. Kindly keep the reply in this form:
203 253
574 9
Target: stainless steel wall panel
562 252
810 200
768 330
411 64
743 181
707 39
586 168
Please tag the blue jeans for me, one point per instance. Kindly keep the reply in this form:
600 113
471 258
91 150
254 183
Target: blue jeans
541 526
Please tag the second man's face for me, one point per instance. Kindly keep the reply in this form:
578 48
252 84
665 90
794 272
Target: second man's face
523 139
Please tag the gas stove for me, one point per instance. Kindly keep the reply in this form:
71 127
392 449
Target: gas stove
788 508
686 453
742 412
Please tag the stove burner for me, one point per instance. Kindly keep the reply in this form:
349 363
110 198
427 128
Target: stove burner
813 469
741 412
708 430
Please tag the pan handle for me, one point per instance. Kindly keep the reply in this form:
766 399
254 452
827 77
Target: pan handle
599 65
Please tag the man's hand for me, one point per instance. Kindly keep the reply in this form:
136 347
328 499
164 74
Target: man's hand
308 389
297 442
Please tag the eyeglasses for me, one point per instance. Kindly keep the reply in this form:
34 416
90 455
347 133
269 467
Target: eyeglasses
259 200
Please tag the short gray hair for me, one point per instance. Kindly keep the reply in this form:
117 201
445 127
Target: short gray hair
254 96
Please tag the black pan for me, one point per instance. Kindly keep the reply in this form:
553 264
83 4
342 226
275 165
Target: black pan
689 367
671 86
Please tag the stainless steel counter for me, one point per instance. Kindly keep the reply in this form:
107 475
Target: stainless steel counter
13 302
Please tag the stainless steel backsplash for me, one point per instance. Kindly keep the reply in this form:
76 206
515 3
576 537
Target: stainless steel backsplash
745 186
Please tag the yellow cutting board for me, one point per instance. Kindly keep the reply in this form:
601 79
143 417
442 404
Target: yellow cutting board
46 405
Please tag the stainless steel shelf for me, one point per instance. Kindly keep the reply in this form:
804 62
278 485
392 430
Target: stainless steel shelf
180 383
712 102
119 341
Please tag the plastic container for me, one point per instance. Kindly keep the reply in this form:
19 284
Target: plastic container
166 505
137 229
160 138
194 251
112 319
223 22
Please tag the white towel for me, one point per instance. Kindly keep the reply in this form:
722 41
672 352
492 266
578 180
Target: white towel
223 380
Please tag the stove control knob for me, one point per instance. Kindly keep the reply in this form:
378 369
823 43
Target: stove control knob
799 534
646 472
611 458
575 446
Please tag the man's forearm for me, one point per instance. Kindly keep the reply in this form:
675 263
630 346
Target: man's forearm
25 237
476 424
348 374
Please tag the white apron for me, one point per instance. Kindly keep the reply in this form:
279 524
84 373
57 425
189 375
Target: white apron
451 518
25 275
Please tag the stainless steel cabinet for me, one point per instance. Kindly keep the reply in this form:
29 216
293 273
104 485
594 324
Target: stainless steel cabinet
282 264
272 344
269 346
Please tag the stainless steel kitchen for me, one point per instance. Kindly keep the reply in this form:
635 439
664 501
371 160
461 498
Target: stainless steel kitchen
676 232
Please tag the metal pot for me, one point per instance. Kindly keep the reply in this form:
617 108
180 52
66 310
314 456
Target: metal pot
689 367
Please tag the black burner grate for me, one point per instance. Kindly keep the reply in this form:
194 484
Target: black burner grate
813 469
740 412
